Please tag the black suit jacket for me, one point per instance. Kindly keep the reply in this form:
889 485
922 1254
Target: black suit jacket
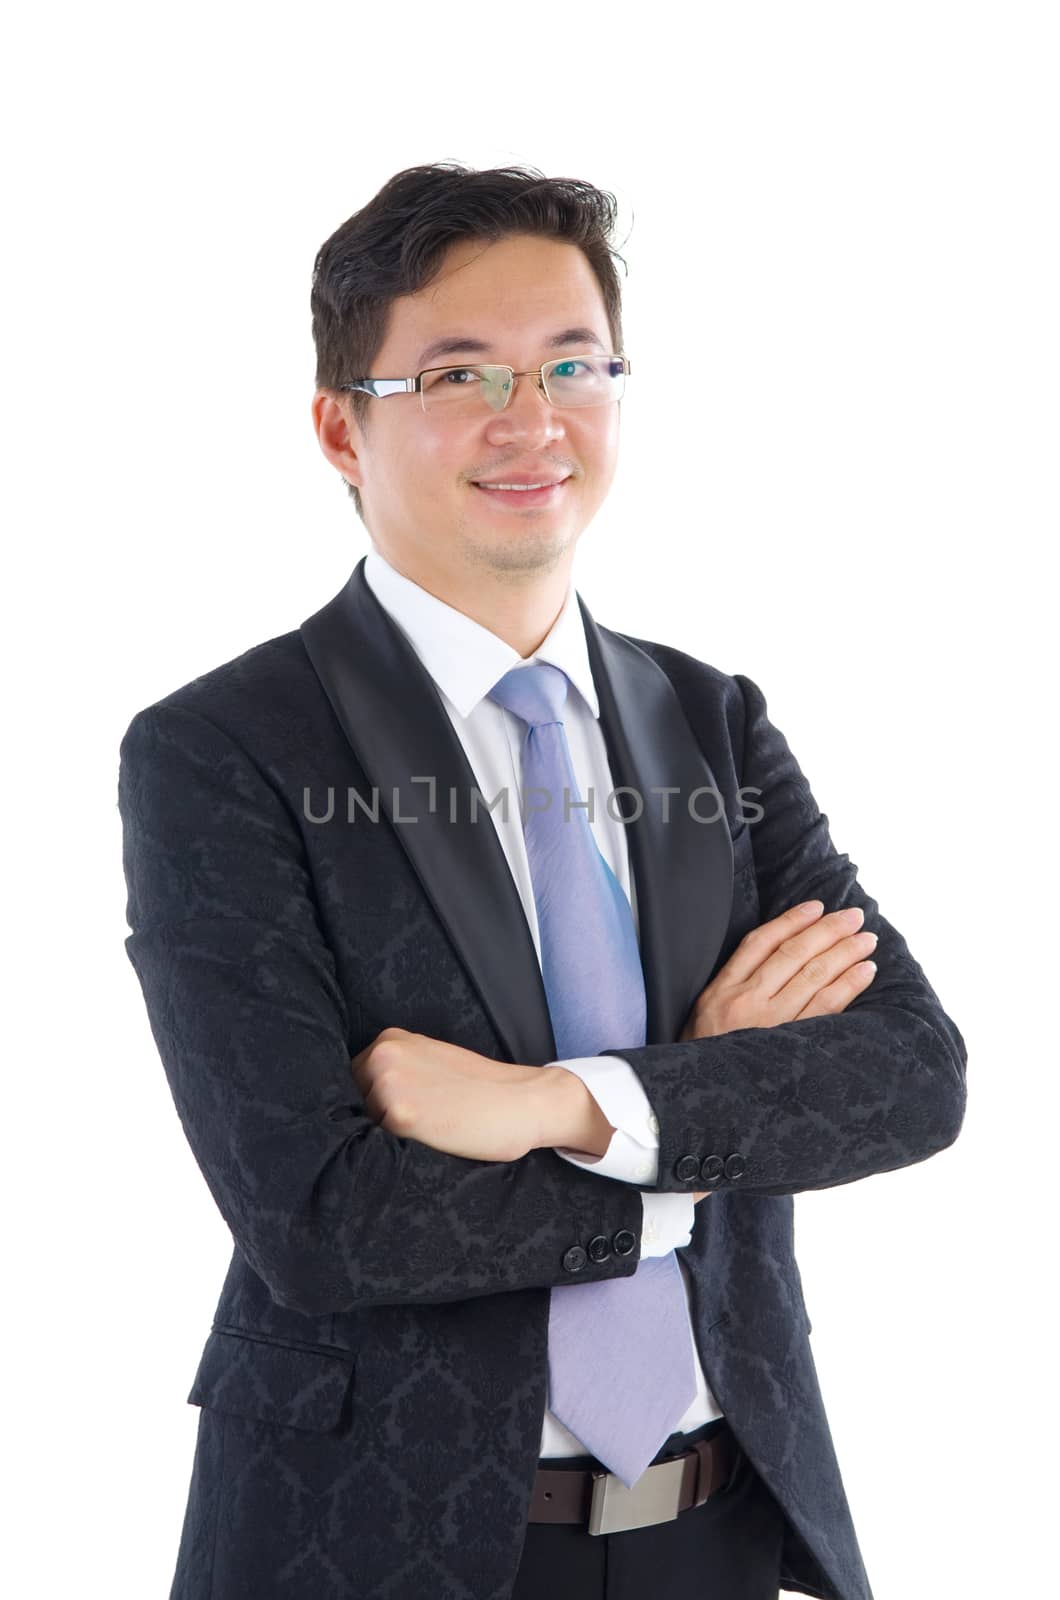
373 1386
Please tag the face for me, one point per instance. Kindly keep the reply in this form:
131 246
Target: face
417 472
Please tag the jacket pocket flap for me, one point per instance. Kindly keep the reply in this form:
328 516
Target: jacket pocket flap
253 1377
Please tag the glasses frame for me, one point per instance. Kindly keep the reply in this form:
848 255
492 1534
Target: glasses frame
381 388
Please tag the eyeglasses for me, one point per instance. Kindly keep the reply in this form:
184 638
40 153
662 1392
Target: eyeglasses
590 380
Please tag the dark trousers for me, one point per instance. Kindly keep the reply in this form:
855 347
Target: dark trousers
726 1549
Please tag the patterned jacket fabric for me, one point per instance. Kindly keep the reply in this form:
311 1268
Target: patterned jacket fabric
373 1384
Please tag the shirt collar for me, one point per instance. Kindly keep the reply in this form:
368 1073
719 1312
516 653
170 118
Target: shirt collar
464 658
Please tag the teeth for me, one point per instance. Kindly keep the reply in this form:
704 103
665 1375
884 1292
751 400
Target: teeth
516 485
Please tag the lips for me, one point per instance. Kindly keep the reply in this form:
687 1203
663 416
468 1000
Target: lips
520 479
521 499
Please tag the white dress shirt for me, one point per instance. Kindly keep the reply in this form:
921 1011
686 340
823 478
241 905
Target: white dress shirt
465 660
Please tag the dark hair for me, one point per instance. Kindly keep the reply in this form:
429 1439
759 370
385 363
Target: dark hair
394 245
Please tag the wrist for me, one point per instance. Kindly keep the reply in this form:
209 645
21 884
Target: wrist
568 1115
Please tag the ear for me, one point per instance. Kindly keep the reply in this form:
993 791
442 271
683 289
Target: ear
337 433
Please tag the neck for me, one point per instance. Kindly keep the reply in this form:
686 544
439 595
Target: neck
519 608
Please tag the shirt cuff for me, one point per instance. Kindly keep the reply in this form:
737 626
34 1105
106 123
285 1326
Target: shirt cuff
668 1223
633 1154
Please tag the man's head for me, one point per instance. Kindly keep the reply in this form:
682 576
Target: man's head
506 261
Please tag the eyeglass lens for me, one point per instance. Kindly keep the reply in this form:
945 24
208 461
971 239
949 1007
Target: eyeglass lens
590 380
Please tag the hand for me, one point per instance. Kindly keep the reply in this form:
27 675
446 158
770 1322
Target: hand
449 1098
800 964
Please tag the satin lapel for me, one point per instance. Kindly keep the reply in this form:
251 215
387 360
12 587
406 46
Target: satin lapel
682 869
394 718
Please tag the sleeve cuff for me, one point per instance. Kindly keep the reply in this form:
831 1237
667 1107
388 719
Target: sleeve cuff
668 1223
633 1154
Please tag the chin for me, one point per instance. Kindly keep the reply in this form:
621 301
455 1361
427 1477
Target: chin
532 549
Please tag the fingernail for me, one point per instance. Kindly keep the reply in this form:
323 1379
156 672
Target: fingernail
810 906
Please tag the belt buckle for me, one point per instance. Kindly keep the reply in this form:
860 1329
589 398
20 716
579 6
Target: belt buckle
655 1497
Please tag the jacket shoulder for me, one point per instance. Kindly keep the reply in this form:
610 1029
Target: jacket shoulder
715 703
258 691
696 682
679 665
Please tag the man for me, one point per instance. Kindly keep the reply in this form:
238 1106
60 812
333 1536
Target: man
509 986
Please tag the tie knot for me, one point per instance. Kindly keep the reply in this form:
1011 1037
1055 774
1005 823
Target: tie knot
536 693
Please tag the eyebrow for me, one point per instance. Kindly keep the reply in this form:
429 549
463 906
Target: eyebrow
461 344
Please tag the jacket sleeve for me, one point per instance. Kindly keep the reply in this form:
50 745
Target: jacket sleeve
332 1211
824 1100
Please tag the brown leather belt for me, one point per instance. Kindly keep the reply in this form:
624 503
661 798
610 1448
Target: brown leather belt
589 1494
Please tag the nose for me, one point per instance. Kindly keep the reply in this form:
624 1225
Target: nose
529 415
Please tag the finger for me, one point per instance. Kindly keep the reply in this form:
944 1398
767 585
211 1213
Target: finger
811 945
387 1109
375 1106
755 946
822 969
838 995
365 1064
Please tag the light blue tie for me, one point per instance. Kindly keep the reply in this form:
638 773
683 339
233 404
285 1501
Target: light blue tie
621 1354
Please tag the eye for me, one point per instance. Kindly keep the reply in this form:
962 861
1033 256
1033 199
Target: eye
569 368
451 377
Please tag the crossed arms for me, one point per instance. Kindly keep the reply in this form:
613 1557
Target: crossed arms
335 1210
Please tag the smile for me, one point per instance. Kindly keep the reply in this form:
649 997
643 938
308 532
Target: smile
526 495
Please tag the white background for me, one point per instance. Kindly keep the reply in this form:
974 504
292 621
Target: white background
840 225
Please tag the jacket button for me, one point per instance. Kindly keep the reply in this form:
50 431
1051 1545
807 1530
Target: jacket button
624 1242
735 1166
712 1169
686 1169
575 1259
599 1248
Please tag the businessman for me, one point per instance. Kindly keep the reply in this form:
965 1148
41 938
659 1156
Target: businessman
509 986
